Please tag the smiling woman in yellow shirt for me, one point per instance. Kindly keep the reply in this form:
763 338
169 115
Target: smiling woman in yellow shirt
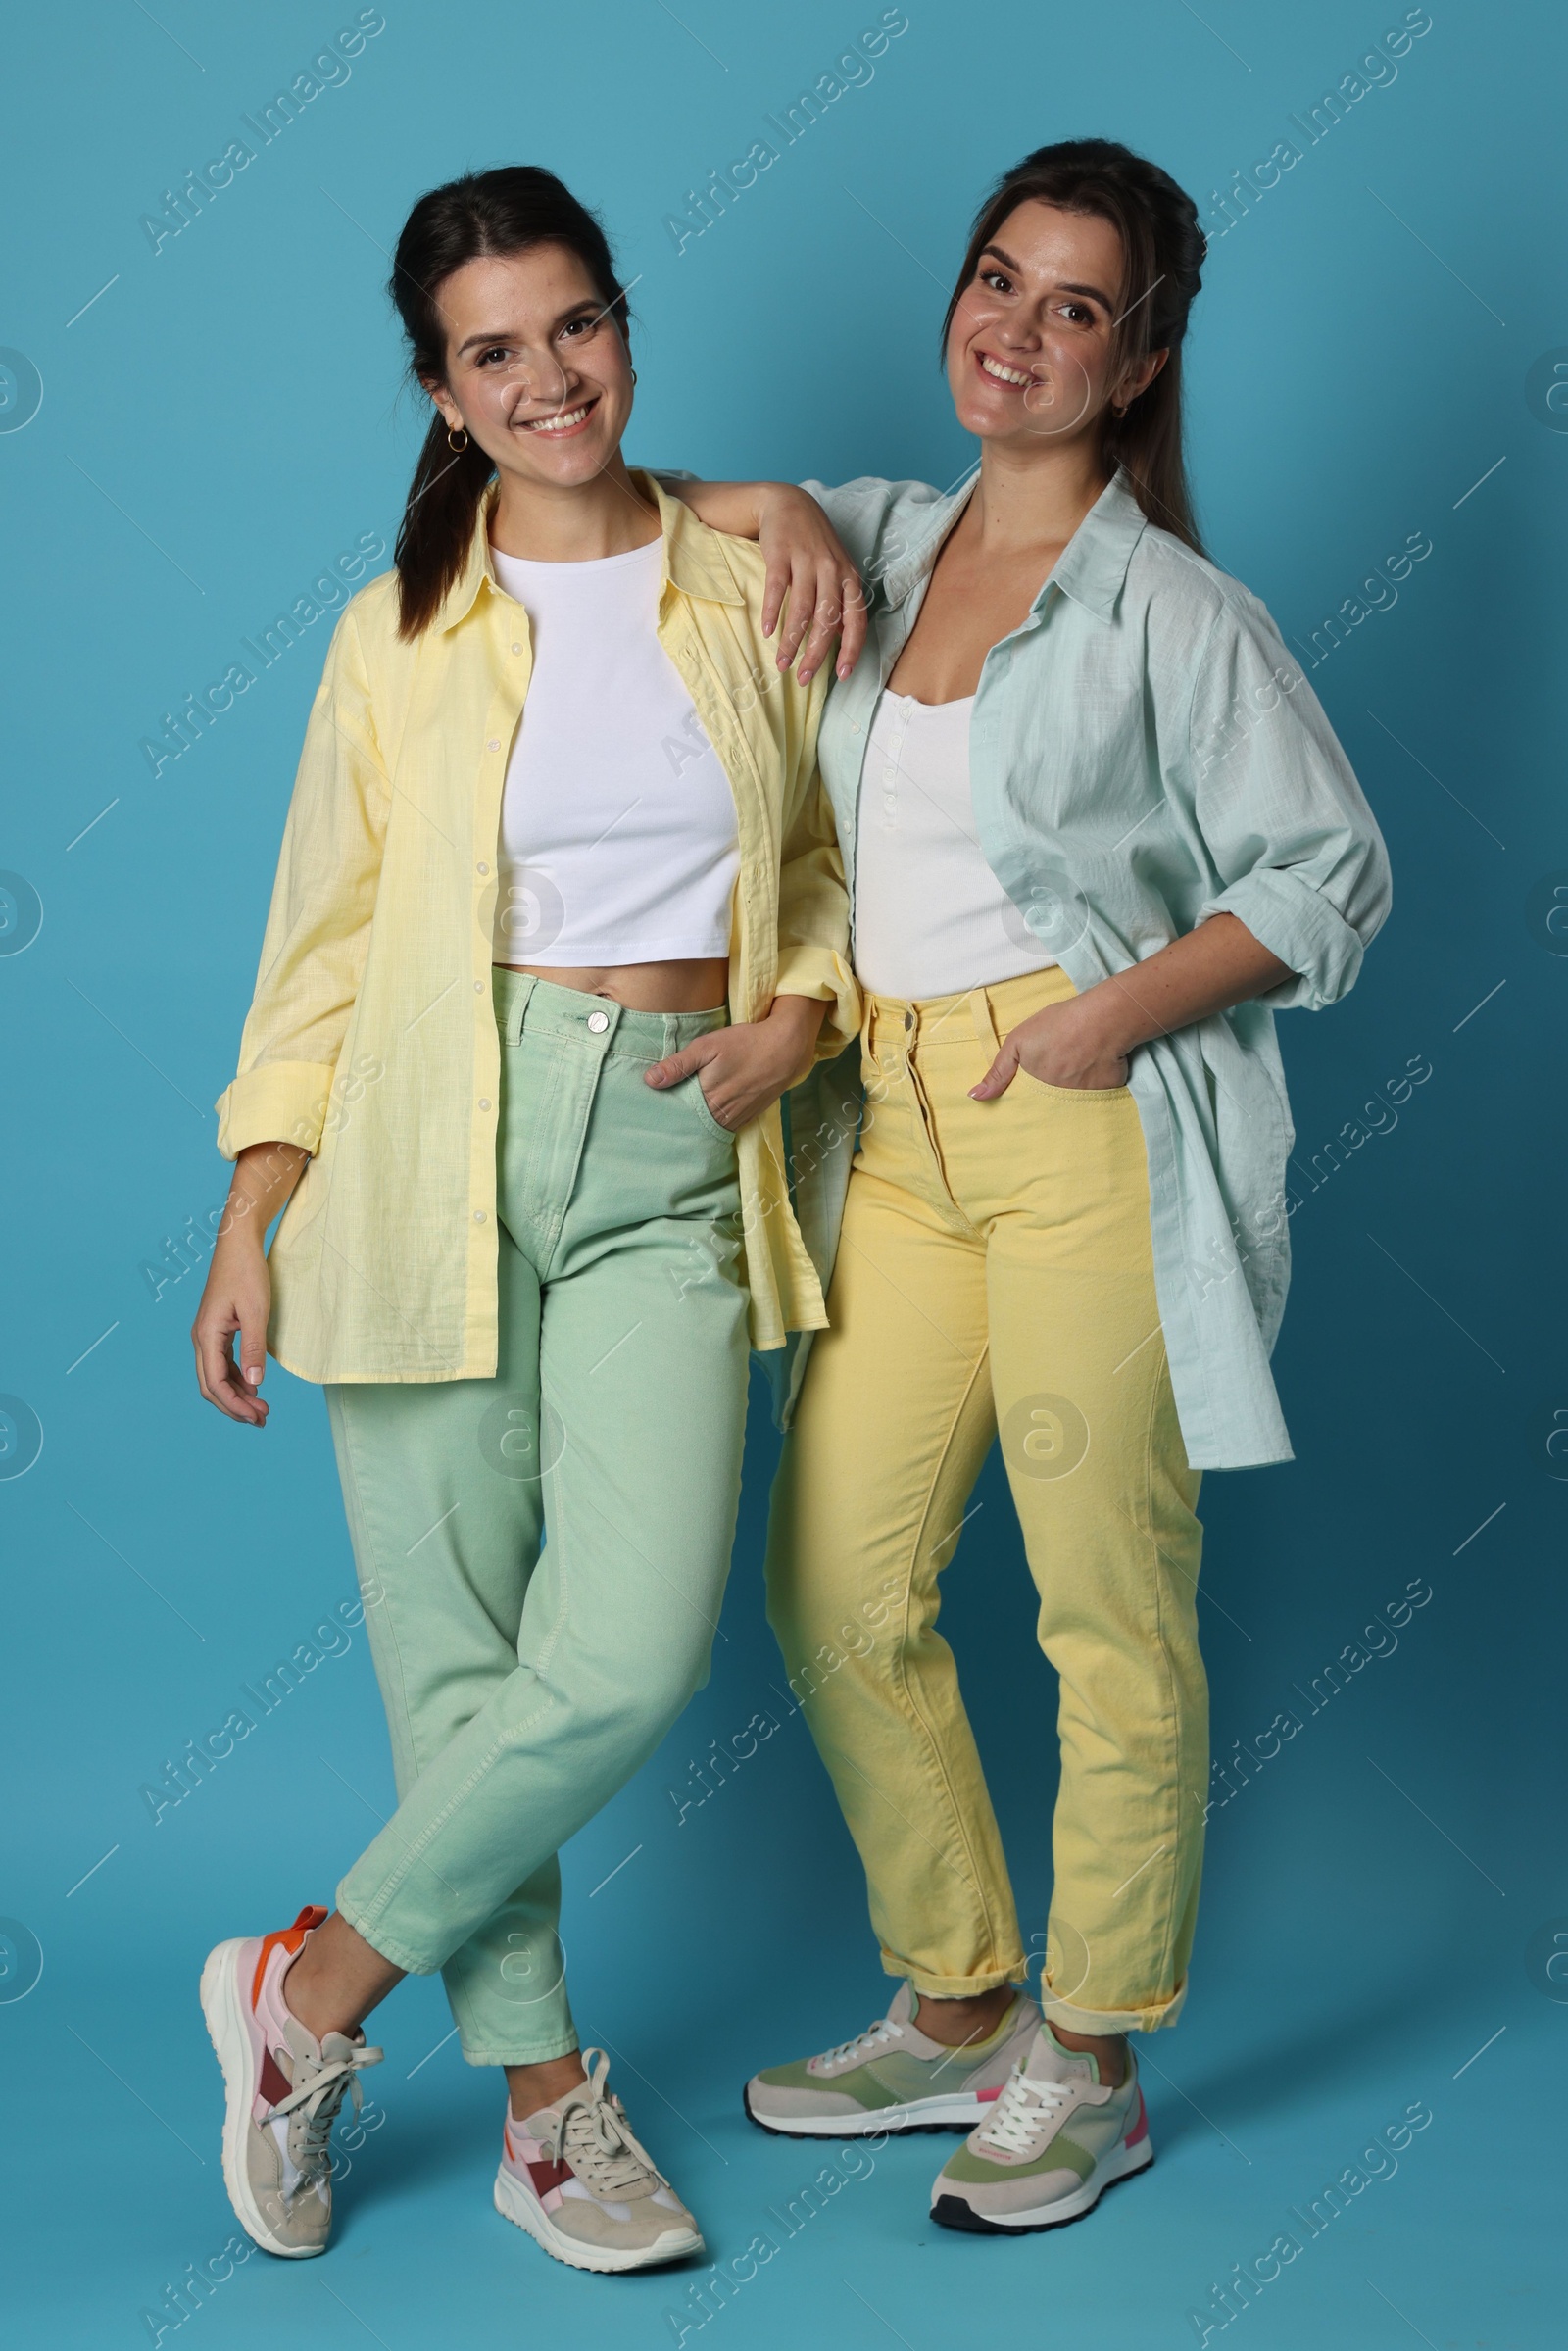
559 917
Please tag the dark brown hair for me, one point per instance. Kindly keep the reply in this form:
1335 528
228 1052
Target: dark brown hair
1163 249
502 212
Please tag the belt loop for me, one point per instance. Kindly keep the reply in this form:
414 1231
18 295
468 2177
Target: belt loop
671 1035
985 1024
522 985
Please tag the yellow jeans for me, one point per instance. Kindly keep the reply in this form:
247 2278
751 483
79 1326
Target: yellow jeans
994 1274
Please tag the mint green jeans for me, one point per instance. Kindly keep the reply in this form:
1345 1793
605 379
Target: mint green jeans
543 1555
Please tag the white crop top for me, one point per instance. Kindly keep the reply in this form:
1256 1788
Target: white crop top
618 823
930 916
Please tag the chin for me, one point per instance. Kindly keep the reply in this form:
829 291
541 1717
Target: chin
573 461
979 417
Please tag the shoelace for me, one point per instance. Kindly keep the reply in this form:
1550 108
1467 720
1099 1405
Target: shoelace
312 2107
868 2043
1024 2108
592 2134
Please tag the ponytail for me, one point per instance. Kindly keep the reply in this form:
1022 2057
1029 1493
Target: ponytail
438 525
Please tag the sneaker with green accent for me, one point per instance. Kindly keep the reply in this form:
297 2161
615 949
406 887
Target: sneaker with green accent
893 2077
1055 2140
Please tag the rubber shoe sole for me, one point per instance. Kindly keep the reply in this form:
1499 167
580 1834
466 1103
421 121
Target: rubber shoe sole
898 2122
953 2213
514 2203
231 2042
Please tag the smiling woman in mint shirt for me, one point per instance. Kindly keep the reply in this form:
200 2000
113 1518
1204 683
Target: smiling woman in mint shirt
1098 832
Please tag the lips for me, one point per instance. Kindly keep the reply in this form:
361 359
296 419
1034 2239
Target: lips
562 424
994 370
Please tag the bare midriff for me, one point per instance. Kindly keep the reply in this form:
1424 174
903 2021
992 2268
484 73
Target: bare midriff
697 984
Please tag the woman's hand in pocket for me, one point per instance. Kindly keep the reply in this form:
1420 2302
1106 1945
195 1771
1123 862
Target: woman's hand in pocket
1059 1047
744 1068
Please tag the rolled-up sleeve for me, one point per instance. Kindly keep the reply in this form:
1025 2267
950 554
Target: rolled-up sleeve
813 923
317 928
814 902
1294 847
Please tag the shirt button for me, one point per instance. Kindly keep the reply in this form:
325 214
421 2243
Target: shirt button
482 869
493 744
483 1103
599 1022
478 987
478 1216
516 648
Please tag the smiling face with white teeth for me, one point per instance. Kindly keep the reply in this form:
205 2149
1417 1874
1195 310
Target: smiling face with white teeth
538 372
1030 350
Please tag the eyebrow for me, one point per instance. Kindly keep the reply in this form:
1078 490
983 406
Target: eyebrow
1093 292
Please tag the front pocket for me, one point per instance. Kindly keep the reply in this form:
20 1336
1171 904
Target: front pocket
692 1089
1077 1094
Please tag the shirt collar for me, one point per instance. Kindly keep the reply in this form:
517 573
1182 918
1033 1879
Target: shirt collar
695 560
1092 567
916 562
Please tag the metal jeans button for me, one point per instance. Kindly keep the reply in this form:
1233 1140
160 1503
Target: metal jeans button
599 1022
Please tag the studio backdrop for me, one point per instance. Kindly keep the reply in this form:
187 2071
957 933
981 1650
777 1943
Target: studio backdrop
205 444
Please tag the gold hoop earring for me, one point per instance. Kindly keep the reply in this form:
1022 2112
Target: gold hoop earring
634 375
453 442
1122 410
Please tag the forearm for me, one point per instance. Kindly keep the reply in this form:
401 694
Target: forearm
264 1177
1213 968
796 1022
798 1018
735 507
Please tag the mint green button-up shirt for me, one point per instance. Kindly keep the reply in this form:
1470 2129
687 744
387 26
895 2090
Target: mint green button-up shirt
1144 753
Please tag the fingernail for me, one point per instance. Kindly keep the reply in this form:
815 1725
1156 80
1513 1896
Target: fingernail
253 1375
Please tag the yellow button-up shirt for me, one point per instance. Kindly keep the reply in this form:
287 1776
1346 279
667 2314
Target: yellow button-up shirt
371 1039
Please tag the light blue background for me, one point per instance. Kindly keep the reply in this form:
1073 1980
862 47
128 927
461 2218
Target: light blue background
216 427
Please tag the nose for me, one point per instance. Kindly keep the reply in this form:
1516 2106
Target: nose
554 381
542 377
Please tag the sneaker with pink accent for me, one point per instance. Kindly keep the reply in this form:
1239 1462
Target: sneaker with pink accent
285 2088
573 2176
1056 2140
